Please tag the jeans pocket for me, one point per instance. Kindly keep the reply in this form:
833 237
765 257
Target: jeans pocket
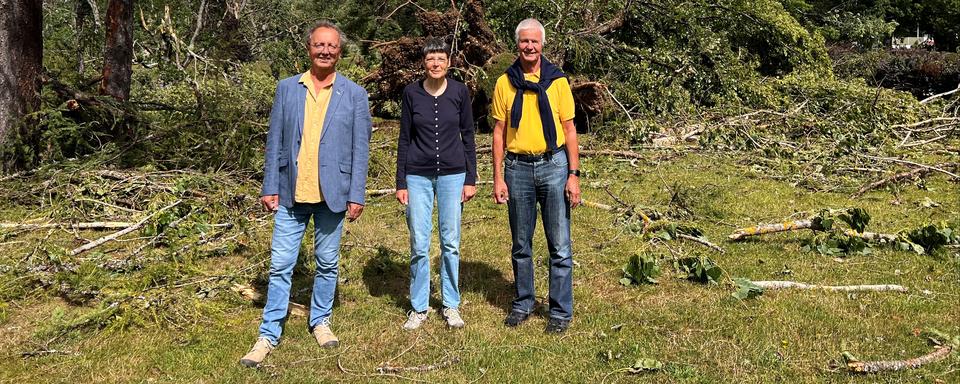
559 159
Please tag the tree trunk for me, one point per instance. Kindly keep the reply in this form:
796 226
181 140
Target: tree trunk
118 51
21 62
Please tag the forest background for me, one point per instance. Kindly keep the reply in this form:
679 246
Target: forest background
699 118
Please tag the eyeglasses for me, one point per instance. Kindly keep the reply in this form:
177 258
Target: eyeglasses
325 47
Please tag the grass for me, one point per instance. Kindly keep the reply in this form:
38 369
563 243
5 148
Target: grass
699 332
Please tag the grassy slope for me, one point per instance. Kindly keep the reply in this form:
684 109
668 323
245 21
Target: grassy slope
698 331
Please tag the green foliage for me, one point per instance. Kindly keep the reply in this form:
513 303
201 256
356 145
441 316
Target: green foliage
746 289
933 237
837 243
700 269
856 218
645 365
640 269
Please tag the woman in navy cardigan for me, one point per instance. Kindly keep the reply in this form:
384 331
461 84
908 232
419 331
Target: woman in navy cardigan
436 158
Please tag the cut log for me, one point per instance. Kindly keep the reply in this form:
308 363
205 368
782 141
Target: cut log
763 229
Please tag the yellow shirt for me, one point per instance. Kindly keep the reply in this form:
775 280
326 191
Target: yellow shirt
308 167
528 137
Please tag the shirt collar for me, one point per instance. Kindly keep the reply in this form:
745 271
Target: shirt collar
305 79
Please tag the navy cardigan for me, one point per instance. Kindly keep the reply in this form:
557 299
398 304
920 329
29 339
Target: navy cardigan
436 133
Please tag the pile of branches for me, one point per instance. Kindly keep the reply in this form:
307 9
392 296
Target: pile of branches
125 246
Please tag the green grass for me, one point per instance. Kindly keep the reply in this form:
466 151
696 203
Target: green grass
699 332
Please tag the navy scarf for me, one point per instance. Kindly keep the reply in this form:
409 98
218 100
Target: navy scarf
548 73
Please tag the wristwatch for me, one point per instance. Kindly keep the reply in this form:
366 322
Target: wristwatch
575 172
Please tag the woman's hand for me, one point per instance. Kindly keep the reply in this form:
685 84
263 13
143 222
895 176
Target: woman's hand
468 192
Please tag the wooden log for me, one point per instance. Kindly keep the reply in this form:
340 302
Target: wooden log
764 229
251 294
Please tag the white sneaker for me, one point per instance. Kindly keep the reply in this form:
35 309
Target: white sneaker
453 318
414 320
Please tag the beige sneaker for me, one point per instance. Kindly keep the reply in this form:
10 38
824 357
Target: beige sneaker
415 319
259 352
325 336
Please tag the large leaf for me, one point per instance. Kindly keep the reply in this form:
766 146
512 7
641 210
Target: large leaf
700 269
640 269
746 289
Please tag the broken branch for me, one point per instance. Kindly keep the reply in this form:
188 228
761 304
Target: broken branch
831 288
115 235
939 353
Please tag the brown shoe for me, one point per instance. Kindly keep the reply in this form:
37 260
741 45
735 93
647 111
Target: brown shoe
325 337
259 352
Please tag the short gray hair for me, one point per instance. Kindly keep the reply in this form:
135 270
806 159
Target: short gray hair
530 23
324 24
436 45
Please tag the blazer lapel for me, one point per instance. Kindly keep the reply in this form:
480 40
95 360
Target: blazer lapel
335 96
299 99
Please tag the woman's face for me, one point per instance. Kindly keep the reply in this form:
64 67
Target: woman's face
436 65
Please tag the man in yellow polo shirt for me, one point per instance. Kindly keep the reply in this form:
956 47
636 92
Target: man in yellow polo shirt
534 137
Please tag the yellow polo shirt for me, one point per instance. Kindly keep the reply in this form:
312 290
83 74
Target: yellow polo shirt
308 167
528 137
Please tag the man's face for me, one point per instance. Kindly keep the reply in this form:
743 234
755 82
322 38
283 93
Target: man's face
324 48
530 43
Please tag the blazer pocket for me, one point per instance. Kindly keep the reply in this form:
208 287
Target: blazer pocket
344 167
284 160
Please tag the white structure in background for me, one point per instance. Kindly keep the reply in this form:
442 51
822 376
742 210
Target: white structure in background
924 41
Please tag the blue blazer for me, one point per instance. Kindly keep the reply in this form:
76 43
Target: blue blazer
344 143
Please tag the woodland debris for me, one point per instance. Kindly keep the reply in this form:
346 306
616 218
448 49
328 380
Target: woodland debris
115 235
832 288
908 175
251 294
764 229
940 352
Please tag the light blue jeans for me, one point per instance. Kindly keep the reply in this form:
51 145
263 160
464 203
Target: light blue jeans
421 191
289 225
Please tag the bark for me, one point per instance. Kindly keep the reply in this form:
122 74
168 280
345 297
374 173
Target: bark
118 50
21 62
771 228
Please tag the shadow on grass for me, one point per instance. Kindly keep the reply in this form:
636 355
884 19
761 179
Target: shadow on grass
387 274
481 278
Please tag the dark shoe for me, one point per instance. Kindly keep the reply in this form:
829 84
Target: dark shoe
557 325
515 318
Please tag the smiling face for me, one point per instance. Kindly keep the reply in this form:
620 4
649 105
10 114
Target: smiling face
530 44
324 48
436 64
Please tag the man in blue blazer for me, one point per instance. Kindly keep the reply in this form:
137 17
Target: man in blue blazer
316 166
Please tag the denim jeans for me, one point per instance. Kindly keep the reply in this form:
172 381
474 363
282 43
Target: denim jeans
541 182
289 225
421 191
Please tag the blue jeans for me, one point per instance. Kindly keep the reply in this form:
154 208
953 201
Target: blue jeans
289 226
531 183
421 191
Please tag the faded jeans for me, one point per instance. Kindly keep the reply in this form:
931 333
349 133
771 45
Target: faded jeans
288 229
421 191
531 183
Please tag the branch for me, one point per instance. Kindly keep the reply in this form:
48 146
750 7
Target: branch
387 368
115 235
93 225
831 288
939 95
763 229
701 241
895 160
939 353
918 172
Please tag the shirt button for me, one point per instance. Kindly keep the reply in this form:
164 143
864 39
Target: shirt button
438 155
436 118
437 141
436 133
438 148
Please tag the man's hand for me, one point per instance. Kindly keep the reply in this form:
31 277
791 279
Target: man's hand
403 197
353 211
270 202
468 192
500 192
572 191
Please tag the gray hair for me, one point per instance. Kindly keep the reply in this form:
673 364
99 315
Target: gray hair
324 24
436 45
530 23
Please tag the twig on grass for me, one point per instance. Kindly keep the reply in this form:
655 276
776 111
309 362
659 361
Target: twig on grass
701 241
358 374
387 368
93 225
